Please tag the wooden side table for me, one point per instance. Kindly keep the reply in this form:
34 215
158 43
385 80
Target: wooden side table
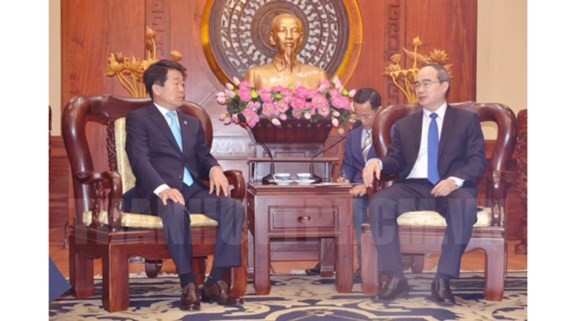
300 211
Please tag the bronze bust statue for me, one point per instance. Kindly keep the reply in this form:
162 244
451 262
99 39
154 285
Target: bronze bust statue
287 36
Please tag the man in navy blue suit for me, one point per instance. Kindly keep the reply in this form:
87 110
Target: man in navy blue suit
167 151
439 156
358 149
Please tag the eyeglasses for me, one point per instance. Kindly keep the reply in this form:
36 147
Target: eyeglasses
363 117
424 83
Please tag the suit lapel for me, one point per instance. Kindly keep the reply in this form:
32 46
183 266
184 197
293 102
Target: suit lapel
158 119
185 129
417 133
447 128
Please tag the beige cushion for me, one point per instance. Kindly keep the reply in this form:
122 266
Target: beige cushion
123 165
147 221
432 218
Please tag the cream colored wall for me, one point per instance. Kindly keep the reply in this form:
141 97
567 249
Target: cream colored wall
55 66
501 56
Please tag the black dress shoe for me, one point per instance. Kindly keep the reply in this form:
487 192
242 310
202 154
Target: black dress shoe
190 299
219 292
441 293
316 270
393 289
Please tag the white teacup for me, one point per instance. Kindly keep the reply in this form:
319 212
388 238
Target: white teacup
304 176
282 176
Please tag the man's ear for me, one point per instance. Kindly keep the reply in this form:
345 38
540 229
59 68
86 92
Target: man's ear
156 89
272 39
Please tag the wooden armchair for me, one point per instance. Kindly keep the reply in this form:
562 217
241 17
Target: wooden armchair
489 232
93 130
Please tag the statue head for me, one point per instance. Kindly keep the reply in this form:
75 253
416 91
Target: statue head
287 36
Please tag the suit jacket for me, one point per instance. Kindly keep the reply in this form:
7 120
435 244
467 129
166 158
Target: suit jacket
353 161
461 146
154 155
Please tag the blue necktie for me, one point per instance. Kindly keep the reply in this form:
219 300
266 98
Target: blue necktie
175 128
433 147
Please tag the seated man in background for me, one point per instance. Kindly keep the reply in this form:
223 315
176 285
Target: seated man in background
358 149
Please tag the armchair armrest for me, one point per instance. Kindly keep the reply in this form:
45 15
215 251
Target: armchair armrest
100 182
498 181
235 178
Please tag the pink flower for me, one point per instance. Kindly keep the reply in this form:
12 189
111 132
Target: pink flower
319 101
297 114
277 104
339 101
324 111
244 93
325 86
230 94
298 103
266 96
221 98
282 106
251 117
253 105
302 92
269 110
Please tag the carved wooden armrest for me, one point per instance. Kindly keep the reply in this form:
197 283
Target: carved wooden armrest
235 178
101 182
497 194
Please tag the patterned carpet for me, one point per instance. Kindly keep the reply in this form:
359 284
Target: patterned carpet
305 298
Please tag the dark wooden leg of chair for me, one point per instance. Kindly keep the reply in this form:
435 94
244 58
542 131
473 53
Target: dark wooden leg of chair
522 247
239 274
495 270
417 265
371 283
152 267
115 265
80 272
199 269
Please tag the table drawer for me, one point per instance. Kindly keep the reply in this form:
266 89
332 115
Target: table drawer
302 218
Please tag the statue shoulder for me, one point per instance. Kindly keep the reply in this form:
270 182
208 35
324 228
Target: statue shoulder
254 72
314 72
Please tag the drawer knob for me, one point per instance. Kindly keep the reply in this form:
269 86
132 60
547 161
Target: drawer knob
304 219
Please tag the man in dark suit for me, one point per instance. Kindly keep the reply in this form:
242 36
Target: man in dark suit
443 179
167 151
358 149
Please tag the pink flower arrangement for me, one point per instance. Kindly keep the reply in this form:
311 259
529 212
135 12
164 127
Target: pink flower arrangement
248 105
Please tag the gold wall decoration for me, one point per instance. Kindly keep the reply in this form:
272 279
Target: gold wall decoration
235 35
129 70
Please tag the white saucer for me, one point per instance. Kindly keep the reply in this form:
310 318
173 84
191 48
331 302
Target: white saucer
284 182
306 181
